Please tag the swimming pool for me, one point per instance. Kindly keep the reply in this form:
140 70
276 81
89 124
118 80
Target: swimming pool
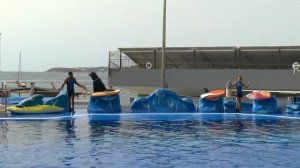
142 140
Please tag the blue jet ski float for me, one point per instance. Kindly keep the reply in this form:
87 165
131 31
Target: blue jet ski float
36 105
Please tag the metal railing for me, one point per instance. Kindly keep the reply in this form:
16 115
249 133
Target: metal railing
198 60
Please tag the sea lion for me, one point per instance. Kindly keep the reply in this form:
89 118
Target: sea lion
98 85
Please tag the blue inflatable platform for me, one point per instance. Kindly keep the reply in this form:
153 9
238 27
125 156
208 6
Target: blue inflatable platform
104 104
162 101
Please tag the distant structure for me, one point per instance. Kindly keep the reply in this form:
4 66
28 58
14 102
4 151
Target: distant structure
190 69
78 69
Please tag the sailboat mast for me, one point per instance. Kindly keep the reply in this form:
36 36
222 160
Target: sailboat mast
163 59
0 53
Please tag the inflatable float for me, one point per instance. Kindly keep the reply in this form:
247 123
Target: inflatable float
106 93
213 94
259 95
266 106
293 108
215 105
36 105
105 102
38 109
162 101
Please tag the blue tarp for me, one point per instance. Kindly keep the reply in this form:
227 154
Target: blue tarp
162 101
61 100
104 104
293 108
229 106
266 106
297 99
211 105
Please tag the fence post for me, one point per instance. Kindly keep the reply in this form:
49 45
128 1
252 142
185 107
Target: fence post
5 98
32 90
194 59
154 59
228 89
120 59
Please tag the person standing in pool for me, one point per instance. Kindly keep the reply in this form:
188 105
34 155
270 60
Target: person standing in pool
70 81
239 85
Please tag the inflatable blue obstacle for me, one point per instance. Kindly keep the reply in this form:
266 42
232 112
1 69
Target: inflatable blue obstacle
105 102
294 107
162 101
167 101
266 106
211 105
36 105
229 106
217 105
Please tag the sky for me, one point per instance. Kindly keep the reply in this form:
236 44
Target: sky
80 33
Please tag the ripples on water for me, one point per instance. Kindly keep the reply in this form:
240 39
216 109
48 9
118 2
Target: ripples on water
82 143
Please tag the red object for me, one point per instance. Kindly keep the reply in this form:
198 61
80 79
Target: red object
213 94
258 95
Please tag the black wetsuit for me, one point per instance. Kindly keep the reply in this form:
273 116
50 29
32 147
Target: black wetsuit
239 89
70 86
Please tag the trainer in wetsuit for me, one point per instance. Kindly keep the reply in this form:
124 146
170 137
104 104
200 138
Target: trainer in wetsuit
239 85
70 81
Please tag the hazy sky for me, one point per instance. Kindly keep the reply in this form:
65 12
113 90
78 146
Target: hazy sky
70 33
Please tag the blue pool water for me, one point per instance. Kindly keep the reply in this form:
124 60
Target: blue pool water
142 140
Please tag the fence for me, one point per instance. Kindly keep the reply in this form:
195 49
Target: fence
204 59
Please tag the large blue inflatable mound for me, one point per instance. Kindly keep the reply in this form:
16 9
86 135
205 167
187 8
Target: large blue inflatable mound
61 100
229 106
266 106
105 104
293 108
162 101
211 105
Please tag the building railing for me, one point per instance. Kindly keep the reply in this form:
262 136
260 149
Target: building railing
199 60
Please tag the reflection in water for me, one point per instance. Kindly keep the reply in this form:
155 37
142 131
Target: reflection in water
67 126
70 126
239 124
185 140
3 132
98 129
231 140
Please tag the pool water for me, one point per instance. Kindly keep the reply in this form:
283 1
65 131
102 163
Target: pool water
80 141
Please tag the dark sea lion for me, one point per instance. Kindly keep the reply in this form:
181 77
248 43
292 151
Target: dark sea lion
98 85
